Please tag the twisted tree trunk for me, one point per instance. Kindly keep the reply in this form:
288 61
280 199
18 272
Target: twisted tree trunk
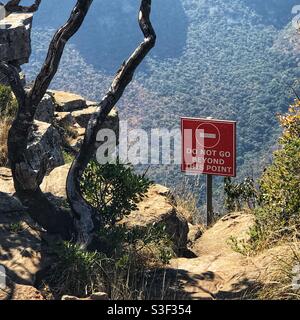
87 215
27 181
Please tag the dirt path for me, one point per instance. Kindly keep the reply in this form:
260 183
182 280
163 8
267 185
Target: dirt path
218 272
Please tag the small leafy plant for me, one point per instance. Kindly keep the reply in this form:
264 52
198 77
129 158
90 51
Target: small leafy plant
122 271
113 189
239 194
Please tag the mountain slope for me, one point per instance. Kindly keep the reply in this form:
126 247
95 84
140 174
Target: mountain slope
110 30
229 63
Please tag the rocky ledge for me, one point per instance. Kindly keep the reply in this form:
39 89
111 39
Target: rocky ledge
15 45
15 41
60 116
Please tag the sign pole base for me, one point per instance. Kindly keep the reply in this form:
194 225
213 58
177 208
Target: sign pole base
209 200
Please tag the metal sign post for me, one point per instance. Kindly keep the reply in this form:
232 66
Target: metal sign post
208 147
209 200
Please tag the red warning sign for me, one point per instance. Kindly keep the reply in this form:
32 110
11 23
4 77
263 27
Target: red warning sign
208 146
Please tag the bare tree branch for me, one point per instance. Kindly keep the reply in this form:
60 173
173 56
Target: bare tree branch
27 180
87 214
14 80
56 49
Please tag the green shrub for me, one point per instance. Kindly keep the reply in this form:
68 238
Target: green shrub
122 271
239 194
76 272
278 216
113 189
68 157
119 240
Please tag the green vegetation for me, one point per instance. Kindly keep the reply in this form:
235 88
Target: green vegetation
113 189
16 227
277 217
239 194
68 157
120 259
6 106
122 271
232 64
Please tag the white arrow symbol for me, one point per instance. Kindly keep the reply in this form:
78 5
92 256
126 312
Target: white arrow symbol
208 135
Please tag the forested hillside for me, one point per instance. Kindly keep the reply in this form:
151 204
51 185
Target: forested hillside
73 227
216 58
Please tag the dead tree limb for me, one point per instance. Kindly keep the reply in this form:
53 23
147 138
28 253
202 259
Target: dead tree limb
27 180
87 216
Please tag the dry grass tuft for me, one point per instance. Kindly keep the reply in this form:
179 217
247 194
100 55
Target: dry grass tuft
284 283
187 204
5 124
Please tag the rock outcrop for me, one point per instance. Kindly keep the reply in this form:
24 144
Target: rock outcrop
218 272
72 112
45 110
15 44
157 208
55 182
44 142
16 291
47 140
67 101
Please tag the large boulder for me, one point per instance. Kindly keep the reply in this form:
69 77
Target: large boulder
232 225
45 110
157 208
44 141
20 292
55 182
15 44
82 117
66 101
